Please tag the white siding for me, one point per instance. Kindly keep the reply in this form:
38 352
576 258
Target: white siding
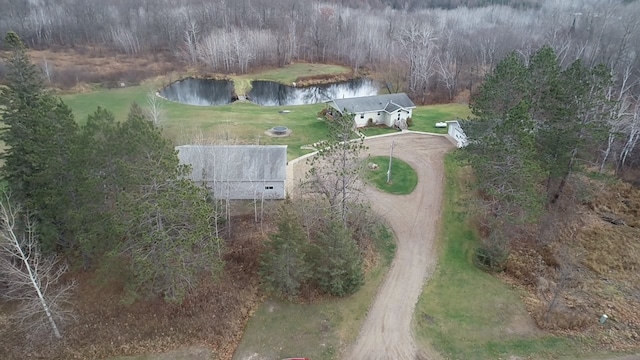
399 114
455 131
377 117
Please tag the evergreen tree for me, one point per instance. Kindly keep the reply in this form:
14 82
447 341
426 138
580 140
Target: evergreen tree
337 263
502 141
97 176
533 122
164 218
284 268
40 135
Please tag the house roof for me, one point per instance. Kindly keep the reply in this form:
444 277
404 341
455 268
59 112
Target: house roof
388 103
235 162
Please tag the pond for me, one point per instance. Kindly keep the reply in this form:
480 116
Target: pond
201 92
206 92
269 93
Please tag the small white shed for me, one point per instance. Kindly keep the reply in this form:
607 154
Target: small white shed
455 131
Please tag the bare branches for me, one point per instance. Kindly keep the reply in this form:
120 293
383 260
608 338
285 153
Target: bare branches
155 108
32 279
336 169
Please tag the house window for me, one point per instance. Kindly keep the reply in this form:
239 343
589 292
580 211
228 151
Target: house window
362 116
378 113
268 187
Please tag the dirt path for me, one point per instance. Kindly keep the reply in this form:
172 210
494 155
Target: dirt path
387 330
386 333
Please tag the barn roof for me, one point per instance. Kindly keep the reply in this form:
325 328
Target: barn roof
235 162
387 102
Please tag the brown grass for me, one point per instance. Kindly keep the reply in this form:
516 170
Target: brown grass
213 317
73 68
604 259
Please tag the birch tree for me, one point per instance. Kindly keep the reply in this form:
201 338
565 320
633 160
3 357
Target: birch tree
32 279
154 110
632 134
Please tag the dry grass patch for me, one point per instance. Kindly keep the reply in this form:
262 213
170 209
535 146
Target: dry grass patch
590 269
210 320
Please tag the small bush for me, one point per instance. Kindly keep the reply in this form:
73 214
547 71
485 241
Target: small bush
409 122
370 122
493 254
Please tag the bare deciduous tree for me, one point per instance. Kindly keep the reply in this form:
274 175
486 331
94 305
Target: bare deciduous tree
32 279
155 108
47 70
335 172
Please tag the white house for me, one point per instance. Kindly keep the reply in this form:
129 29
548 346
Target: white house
390 109
238 171
455 131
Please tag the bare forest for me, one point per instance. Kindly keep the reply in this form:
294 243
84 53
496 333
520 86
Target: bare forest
434 53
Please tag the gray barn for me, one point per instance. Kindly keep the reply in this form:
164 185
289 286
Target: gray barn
238 171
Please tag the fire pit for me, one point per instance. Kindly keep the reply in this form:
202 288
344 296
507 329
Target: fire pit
279 130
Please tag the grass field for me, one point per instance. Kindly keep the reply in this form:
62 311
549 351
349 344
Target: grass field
468 314
403 178
378 130
243 121
425 117
318 331
287 75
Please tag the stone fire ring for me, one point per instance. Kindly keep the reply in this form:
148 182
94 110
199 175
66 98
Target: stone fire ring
278 131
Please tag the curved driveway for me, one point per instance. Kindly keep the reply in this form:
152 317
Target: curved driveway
387 330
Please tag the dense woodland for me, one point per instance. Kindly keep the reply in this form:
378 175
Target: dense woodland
426 51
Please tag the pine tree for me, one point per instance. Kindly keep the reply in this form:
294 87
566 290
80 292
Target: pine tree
164 218
40 136
96 172
283 267
337 263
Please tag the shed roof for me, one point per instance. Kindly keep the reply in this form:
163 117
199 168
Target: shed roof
235 162
387 102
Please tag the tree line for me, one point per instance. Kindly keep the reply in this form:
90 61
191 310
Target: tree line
536 124
538 129
109 192
433 53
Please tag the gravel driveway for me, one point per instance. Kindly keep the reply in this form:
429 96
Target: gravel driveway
386 333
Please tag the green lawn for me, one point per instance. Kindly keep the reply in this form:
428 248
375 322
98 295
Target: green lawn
465 313
378 130
425 117
319 331
403 178
242 121
288 74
